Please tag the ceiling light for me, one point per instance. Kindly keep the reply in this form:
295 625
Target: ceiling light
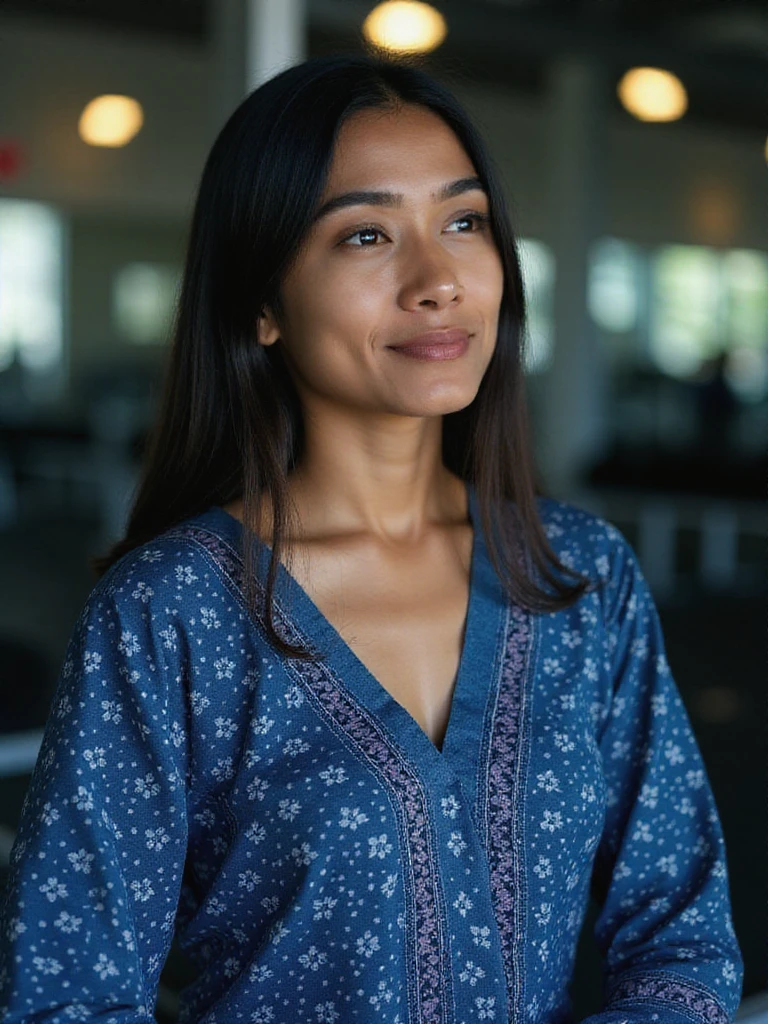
405 26
650 94
110 121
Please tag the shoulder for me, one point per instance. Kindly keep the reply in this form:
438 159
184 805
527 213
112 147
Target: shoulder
585 542
158 580
171 558
594 547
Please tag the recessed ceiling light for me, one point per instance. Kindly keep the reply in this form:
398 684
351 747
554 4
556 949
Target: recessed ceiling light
110 121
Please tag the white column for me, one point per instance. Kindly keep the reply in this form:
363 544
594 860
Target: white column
252 40
572 426
277 38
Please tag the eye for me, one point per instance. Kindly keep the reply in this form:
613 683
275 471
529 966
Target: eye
366 230
480 220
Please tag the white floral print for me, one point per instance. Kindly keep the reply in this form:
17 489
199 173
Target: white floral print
327 862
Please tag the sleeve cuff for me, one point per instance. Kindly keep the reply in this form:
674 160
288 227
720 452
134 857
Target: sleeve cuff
660 997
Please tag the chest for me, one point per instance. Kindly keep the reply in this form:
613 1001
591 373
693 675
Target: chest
403 616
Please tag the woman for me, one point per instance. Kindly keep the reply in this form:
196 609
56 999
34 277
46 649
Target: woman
378 782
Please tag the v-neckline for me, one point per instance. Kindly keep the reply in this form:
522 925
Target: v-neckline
476 662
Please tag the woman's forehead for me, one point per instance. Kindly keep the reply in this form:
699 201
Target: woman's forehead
388 144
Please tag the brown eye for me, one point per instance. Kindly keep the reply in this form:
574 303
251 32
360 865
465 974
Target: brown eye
480 220
361 233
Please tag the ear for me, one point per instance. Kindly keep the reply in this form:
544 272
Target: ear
267 330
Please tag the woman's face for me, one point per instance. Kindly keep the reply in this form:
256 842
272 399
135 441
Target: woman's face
376 272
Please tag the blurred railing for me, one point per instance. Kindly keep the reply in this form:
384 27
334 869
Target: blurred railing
74 463
657 521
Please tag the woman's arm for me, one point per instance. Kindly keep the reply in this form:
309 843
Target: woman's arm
665 930
88 914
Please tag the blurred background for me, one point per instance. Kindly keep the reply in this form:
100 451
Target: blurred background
631 137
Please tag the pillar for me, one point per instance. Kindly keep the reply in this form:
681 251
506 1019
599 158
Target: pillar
573 428
252 40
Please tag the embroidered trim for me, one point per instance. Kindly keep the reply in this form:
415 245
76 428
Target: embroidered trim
505 755
670 988
226 558
429 953
430 999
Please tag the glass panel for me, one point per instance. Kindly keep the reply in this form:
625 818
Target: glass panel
686 316
538 267
746 283
613 291
143 299
31 284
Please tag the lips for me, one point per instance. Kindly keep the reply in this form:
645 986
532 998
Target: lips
448 336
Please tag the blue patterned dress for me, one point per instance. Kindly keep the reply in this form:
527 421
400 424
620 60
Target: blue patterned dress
319 859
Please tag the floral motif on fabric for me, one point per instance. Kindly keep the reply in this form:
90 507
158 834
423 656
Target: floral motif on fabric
430 995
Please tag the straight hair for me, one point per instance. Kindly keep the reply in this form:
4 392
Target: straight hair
230 423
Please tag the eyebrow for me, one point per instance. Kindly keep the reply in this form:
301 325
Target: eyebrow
373 198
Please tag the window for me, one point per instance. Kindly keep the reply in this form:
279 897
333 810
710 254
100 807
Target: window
686 325
678 306
538 268
745 283
614 285
142 301
31 285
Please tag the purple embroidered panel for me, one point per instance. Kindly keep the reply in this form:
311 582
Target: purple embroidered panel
669 988
430 1000
505 756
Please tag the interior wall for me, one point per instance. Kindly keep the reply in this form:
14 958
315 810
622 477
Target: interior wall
660 176
685 182
99 248
49 71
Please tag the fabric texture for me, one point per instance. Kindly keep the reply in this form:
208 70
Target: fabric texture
319 859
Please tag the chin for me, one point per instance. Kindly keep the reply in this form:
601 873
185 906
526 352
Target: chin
442 403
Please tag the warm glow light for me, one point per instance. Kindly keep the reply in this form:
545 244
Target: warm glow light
110 121
405 26
650 94
715 212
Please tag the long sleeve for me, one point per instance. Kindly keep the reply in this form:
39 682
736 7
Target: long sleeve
88 912
664 929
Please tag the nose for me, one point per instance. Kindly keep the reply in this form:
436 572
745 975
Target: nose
429 278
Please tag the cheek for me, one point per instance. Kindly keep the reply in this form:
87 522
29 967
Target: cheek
327 326
488 279
337 307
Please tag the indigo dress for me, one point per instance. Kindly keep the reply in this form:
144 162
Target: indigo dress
318 858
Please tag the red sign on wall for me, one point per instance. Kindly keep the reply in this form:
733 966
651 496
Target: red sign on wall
10 160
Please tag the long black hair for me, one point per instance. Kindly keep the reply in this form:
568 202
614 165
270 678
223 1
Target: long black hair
230 423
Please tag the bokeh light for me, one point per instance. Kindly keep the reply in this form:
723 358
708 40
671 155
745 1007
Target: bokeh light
110 121
405 26
650 94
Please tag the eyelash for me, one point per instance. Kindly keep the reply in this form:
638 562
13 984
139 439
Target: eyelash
482 220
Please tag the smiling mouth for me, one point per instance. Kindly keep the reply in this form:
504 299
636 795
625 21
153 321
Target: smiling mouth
435 346
448 336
